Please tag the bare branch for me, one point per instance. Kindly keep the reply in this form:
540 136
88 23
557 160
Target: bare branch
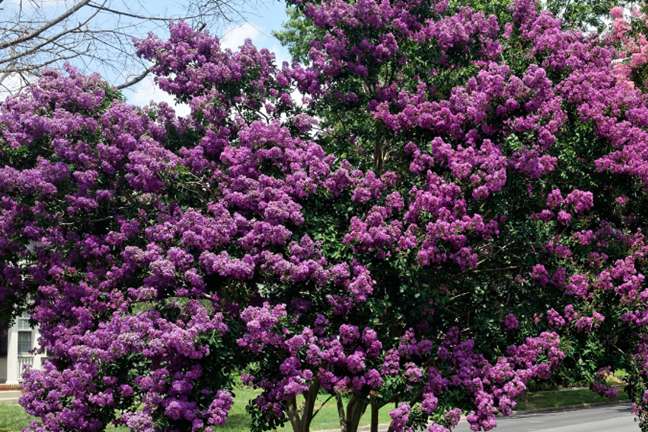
42 65
134 80
146 18
96 35
41 45
45 27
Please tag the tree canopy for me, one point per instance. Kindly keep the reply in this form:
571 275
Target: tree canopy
438 208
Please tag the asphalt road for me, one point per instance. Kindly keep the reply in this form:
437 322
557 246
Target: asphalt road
610 418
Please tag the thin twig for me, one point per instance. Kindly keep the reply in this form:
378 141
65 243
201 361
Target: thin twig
318 409
134 80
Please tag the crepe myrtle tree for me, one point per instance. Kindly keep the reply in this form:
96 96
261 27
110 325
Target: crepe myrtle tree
527 120
438 209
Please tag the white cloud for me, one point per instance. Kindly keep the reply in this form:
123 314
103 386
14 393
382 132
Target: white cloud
281 55
235 36
147 91
11 85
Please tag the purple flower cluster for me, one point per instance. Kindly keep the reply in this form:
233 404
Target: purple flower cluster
152 247
510 322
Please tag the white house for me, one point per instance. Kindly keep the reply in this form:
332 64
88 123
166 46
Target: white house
15 351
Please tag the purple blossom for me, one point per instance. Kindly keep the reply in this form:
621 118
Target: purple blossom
510 322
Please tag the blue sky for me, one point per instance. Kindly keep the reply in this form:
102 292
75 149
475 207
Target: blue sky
258 25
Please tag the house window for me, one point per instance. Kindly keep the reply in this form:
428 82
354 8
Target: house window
23 322
3 346
24 342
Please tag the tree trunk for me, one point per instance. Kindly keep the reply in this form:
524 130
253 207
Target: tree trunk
355 409
310 397
378 158
350 419
341 415
302 423
293 414
374 414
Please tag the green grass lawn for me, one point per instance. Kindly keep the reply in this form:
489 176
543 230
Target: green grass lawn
238 420
13 417
551 399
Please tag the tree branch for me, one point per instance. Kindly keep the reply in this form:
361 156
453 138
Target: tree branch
128 14
322 406
46 26
46 42
135 80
